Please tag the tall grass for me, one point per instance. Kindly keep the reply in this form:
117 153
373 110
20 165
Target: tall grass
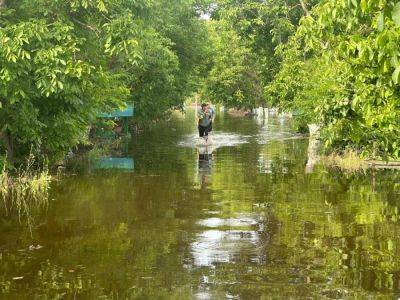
348 161
25 191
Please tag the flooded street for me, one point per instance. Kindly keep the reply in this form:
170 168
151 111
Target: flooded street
243 218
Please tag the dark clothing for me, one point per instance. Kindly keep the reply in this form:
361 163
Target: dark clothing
204 130
205 117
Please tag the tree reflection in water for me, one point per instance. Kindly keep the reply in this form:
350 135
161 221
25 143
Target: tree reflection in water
247 222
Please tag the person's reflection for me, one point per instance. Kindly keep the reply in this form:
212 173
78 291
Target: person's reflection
205 161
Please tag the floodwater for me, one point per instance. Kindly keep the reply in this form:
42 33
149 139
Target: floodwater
250 216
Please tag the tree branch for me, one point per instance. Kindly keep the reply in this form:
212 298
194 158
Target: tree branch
95 30
304 7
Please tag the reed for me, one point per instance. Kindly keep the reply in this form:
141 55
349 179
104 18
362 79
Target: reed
26 190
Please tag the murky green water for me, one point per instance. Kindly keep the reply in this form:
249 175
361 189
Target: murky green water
250 221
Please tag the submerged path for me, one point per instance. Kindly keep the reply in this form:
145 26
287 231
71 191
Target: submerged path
245 222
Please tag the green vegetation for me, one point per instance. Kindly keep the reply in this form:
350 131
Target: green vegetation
257 220
233 79
63 62
348 161
341 68
25 192
245 60
335 63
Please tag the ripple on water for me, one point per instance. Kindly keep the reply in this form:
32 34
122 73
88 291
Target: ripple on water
273 132
217 140
224 246
217 222
225 240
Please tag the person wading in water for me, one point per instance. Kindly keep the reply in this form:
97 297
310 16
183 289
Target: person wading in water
205 118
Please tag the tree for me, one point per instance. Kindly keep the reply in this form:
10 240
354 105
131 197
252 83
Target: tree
234 79
174 53
359 40
259 27
63 62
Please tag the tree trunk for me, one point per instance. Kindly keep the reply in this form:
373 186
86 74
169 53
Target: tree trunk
7 142
2 4
303 6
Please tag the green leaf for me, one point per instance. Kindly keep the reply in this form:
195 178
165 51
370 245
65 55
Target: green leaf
381 21
363 5
395 75
396 14
394 60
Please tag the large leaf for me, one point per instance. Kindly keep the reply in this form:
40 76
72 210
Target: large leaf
363 5
395 75
381 20
396 14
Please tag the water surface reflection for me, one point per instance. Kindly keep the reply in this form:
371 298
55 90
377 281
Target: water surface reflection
244 219
225 241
